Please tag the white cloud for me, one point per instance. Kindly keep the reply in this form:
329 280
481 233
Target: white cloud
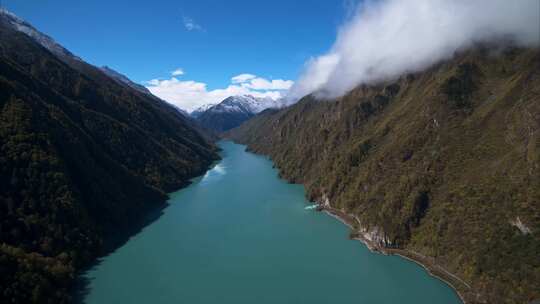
191 25
388 38
177 72
253 82
153 82
189 94
265 84
242 78
316 75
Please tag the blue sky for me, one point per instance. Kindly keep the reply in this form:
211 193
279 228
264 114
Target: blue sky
211 41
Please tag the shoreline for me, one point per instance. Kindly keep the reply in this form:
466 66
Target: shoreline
79 288
463 290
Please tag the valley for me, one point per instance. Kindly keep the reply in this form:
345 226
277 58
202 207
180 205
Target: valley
239 234
370 152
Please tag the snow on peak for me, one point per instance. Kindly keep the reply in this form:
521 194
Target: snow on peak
241 104
46 41
247 103
200 110
11 15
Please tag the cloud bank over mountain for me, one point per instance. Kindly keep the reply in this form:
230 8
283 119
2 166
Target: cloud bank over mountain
385 39
190 95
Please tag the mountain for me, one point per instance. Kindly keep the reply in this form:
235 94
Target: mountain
200 110
84 161
123 79
10 19
441 166
69 58
233 111
253 104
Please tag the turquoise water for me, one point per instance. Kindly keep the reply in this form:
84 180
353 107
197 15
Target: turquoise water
241 235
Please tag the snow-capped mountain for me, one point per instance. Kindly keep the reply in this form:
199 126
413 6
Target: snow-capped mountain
233 111
198 111
240 103
43 39
246 103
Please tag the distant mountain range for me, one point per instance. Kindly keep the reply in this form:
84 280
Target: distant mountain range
233 111
85 156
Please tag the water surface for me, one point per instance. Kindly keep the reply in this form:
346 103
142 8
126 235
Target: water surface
241 235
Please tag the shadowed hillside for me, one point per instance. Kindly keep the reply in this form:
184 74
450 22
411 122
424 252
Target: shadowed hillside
442 163
83 159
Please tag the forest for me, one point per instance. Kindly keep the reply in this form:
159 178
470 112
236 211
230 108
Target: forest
84 161
444 162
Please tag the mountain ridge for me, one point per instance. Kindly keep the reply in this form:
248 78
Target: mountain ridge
41 38
124 79
442 163
84 160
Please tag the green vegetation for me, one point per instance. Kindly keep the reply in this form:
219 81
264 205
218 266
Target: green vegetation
83 160
445 161
460 87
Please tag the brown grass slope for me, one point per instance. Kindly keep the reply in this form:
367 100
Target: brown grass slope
444 161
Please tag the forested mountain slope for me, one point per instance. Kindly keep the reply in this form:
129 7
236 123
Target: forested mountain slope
83 159
443 163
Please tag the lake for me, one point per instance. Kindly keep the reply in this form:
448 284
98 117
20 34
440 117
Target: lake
239 234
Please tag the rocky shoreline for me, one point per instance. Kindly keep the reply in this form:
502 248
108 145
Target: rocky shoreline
376 241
